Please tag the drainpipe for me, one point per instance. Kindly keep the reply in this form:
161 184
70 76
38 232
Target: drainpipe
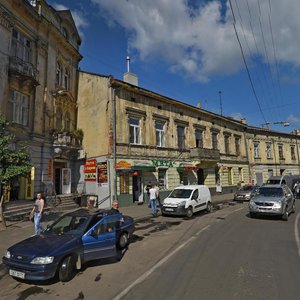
114 141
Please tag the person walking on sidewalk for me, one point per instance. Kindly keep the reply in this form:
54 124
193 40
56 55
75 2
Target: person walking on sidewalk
37 213
153 197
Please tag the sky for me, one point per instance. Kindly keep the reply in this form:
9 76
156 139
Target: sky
238 58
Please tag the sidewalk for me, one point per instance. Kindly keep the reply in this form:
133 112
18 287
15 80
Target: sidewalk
16 232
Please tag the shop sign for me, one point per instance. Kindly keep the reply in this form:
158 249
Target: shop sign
50 168
90 166
90 170
162 163
123 165
102 172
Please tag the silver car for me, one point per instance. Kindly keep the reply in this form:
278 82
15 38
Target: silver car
272 199
245 193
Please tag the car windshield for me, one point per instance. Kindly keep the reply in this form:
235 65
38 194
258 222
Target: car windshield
181 193
68 225
270 192
247 188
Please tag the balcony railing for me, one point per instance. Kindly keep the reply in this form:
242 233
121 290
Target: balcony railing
205 154
21 67
66 139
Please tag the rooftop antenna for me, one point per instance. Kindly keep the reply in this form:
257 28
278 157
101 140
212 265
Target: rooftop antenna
128 63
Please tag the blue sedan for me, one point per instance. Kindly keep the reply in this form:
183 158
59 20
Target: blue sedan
71 241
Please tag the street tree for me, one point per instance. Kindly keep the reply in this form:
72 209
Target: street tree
14 161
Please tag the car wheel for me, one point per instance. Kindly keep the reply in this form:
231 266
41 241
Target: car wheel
209 207
285 216
123 241
66 269
189 212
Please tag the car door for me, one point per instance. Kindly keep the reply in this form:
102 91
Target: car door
289 197
100 240
196 200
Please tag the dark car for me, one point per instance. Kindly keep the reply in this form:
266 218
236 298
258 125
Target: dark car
71 241
245 193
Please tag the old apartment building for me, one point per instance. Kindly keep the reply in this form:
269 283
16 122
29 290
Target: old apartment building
39 55
134 136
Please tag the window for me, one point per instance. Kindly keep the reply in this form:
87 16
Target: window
67 79
162 179
18 108
199 138
58 79
134 131
180 137
159 128
214 138
59 118
226 143
268 150
256 150
67 121
240 172
237 146
280 151
270 173
21 46
293 156
230 178
124 183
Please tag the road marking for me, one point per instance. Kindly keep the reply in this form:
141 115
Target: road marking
297 233
160 263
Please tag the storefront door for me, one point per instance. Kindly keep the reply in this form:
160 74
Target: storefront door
137 189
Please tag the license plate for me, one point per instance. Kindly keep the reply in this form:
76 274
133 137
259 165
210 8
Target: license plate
17 274
169 209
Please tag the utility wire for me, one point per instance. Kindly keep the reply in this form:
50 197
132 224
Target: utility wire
248 72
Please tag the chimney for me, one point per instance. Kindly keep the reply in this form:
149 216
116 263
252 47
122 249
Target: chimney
243 120
128 76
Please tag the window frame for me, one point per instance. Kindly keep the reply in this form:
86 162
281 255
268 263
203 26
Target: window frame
135 131
19 104
199 138
160 134
256 150
180 137
269 150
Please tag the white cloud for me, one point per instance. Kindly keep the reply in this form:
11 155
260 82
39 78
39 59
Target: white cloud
80 21
200 41
293 120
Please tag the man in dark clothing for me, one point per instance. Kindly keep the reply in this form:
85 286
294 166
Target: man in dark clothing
114 208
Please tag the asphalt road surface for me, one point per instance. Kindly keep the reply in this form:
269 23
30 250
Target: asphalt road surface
222 255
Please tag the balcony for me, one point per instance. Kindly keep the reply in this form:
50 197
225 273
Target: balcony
205 154
23 71
66 139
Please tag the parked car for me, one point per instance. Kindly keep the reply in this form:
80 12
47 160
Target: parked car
272 200
245 193
187 199
289 180
74 239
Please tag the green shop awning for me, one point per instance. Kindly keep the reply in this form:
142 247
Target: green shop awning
143 168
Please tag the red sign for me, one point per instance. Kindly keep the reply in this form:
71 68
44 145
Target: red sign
191 168
90 166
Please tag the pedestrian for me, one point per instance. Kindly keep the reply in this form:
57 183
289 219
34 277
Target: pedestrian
297 189
37 213
153 199
158 197
114 208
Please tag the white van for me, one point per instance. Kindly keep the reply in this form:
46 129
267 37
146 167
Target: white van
187 199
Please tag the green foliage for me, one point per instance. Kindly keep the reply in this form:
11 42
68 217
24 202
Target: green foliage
13 162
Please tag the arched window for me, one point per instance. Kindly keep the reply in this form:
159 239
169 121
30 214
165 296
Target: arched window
67 79
59 118
58 79
67 121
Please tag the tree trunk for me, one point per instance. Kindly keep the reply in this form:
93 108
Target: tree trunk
2 219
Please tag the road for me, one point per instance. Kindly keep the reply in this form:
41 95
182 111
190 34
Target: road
222 255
